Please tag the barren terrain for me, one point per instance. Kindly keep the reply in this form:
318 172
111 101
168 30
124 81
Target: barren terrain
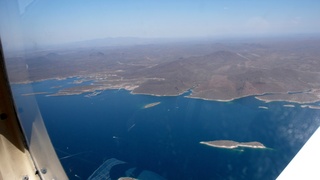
283 69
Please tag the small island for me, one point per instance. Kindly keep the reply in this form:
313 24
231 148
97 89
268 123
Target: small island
151 105
228 144
289 105
263 107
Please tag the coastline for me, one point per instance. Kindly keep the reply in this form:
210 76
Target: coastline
132 86
289 101
34 93
46 79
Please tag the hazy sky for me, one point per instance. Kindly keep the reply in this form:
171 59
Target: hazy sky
60 21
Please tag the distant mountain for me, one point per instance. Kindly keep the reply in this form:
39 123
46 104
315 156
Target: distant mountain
52 55
123 41
96 54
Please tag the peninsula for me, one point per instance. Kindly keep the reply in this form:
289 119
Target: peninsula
35 93
228 144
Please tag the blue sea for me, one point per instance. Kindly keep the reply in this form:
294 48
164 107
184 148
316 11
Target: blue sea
86 131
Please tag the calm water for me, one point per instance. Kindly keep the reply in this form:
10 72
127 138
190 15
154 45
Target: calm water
165 138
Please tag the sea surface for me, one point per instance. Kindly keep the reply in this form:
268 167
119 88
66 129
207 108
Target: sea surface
87 131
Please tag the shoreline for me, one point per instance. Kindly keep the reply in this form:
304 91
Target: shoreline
131 91
41 80
35 93
289 101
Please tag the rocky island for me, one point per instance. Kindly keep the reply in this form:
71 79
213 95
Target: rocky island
228 144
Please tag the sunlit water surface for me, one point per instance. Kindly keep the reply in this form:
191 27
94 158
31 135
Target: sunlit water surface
86 131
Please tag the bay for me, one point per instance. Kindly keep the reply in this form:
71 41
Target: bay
86 131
